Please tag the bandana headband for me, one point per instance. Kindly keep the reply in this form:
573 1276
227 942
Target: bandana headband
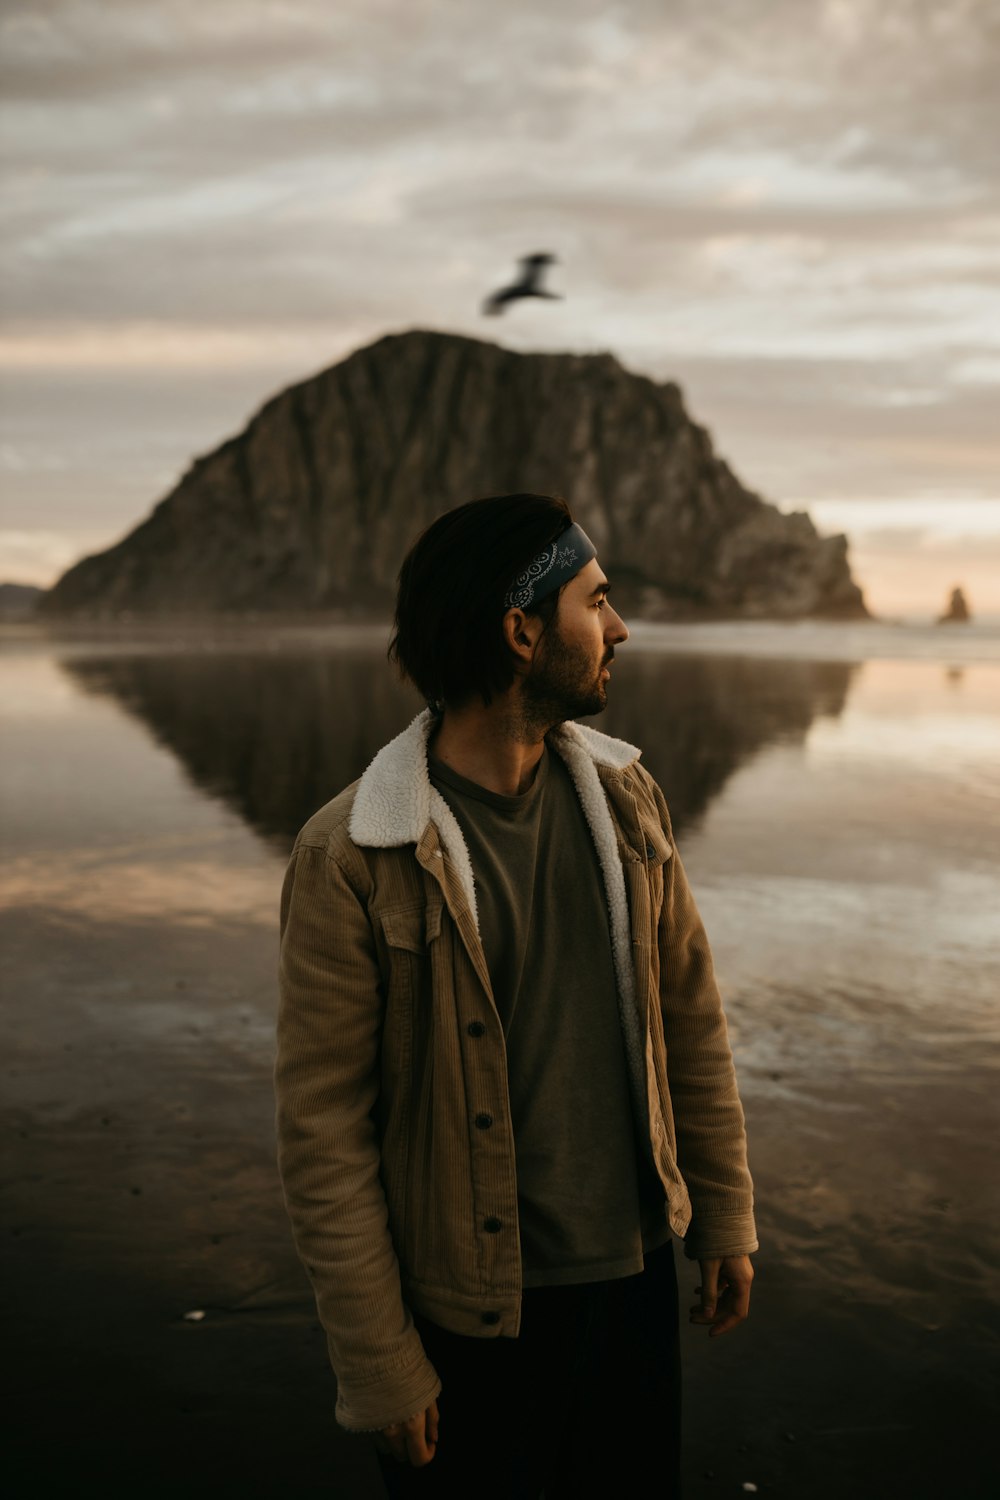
560 562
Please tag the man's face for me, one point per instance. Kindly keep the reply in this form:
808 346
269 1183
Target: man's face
571 668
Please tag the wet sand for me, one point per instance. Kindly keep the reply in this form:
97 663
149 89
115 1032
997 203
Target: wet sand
139 1181
141 1187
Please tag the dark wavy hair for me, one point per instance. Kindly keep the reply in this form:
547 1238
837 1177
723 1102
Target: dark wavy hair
447 636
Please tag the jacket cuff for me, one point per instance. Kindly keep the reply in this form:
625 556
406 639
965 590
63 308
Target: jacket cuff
713 1236
396 1397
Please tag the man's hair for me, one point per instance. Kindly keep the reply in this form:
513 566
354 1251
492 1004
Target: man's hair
447 636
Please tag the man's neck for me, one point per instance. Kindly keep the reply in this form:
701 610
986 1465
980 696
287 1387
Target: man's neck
491 745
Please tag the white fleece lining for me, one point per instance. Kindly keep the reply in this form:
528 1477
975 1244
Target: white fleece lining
395 801
455 847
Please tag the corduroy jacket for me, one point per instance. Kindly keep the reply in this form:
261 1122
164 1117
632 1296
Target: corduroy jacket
389 1045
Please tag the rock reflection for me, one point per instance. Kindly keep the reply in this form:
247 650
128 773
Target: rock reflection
698 718
276 735
273 736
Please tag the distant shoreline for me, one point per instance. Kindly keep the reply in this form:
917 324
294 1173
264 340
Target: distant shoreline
973 643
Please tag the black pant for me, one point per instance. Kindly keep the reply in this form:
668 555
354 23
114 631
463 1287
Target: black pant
586 1400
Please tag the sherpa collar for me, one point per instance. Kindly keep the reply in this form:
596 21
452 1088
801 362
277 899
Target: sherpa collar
395 799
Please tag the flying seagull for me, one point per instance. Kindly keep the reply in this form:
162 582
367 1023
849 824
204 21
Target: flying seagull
532 271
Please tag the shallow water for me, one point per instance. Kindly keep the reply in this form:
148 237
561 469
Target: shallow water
840 823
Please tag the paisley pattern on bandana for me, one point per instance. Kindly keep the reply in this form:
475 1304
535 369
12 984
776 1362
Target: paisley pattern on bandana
555 566
522 590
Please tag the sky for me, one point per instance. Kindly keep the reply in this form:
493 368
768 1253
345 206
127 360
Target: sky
790 208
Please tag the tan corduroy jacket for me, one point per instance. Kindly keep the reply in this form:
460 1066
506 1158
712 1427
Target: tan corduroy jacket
389 1045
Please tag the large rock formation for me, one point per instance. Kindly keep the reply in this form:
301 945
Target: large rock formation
957 612
314 504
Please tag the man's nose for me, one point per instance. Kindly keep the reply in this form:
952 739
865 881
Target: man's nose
616 630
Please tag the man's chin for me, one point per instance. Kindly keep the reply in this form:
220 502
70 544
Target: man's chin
596 704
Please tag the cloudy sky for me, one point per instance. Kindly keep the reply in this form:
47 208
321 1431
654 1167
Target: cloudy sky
792 207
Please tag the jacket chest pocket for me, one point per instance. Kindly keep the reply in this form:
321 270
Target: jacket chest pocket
410 938
409 933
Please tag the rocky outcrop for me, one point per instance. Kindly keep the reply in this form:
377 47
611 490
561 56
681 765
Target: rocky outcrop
957 612
18 601
313 506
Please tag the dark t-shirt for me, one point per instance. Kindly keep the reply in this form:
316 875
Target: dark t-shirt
589 1202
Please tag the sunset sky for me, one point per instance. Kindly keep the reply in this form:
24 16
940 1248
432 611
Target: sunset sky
791 208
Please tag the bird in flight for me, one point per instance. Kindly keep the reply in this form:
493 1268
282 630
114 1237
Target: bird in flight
533 268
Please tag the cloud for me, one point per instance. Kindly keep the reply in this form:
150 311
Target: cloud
36 556
803 430
207 161
793 207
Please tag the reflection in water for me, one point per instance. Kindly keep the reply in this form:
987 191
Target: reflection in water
275 736
698 719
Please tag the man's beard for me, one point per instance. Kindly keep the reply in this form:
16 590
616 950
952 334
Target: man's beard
564 682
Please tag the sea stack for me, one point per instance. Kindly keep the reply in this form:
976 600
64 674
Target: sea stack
957 612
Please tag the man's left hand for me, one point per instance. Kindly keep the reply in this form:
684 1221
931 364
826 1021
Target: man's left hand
724 1293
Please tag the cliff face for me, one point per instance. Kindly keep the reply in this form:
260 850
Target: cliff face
315 503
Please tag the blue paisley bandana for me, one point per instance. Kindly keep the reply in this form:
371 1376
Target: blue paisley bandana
555 566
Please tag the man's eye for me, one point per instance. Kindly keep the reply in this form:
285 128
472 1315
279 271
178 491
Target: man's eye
601 603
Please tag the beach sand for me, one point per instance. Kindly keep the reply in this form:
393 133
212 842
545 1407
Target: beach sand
139 1181
143 1187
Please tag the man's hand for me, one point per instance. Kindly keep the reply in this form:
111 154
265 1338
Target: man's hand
724 1293
413 1441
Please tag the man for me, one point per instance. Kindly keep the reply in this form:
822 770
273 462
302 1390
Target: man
503 1075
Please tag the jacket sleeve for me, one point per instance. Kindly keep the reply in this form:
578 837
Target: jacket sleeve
326 1084
708 1115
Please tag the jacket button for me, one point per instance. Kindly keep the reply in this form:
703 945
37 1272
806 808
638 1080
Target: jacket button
476 1028
491 1318
650 852
492 1225
484 1121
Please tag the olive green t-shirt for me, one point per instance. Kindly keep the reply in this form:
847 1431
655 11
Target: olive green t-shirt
589 1202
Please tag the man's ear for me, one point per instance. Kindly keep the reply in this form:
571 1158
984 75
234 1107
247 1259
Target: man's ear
522 633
